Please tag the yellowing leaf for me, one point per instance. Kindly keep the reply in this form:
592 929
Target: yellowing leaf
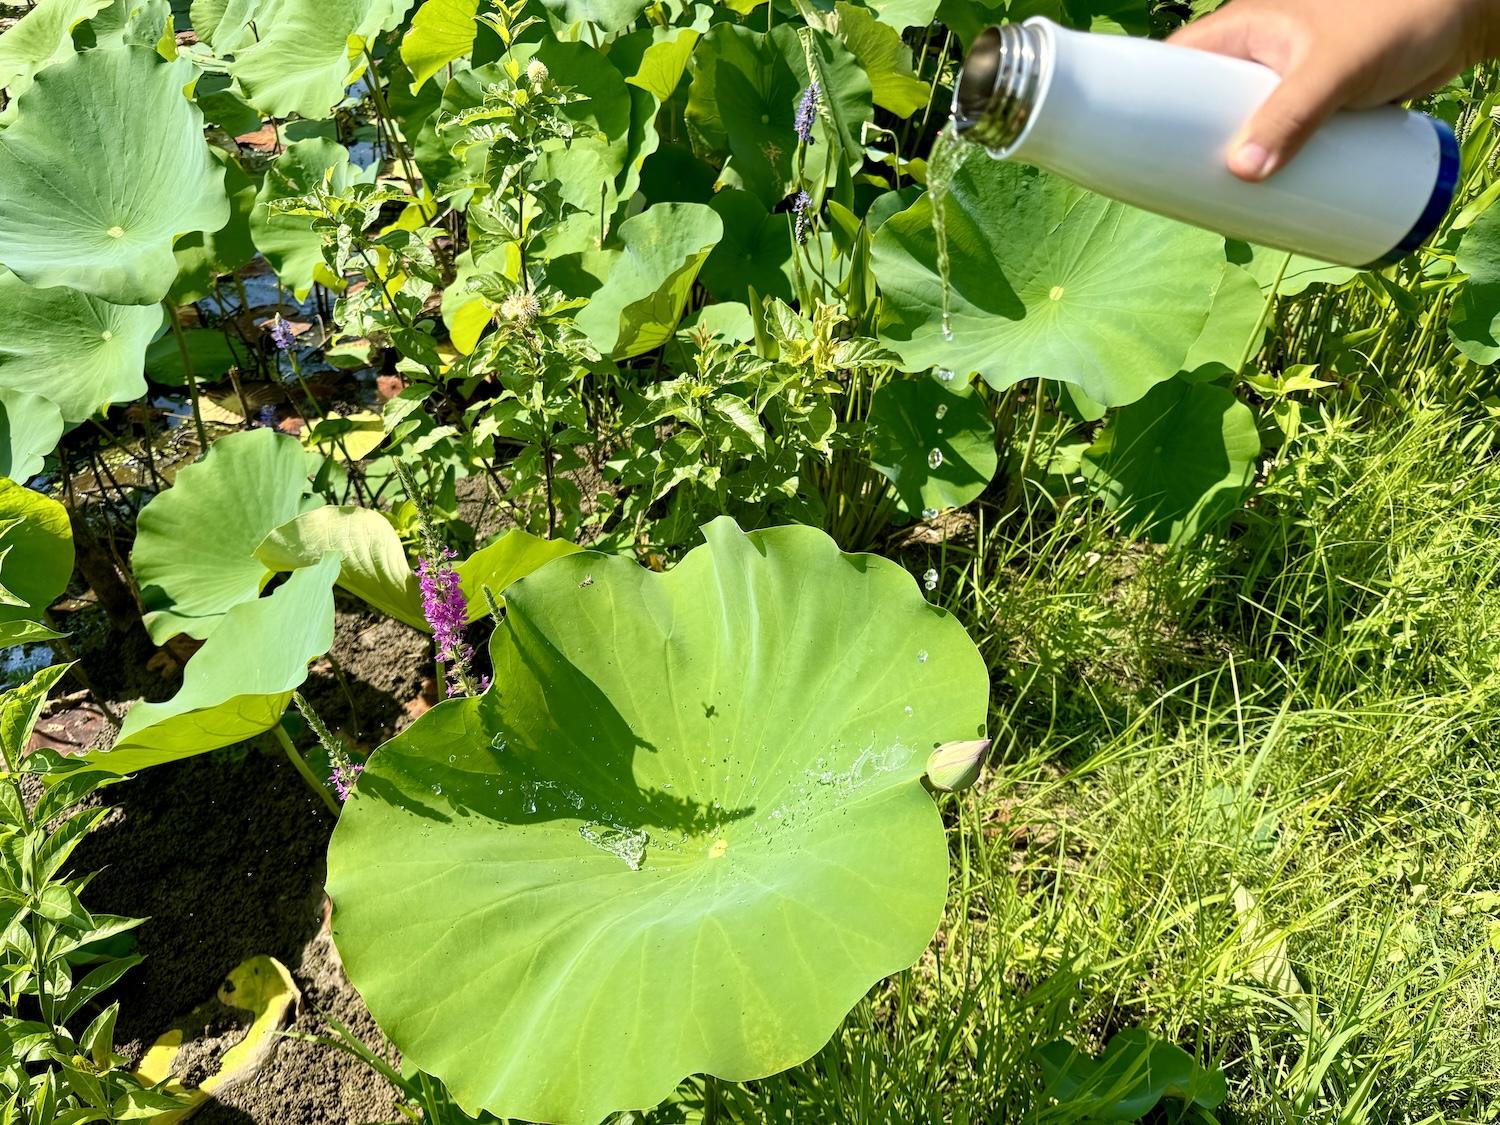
441 31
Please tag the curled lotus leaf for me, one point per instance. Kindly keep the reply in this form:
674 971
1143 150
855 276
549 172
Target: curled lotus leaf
195 543
41 37
686 826
105 166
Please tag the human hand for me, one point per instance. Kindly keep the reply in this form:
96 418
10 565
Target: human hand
1339 54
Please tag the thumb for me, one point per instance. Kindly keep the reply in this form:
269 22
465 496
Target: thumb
1306 97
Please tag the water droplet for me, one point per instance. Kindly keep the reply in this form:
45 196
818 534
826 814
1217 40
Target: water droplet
907 708
944 375
935 459
929 513
942 411
626 844
437 790
452 758
498 742
922 657
930 579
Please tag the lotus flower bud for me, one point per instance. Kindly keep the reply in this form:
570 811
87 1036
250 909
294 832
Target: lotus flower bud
537 73
954 766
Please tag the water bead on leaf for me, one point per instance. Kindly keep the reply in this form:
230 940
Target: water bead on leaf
935 459
930 579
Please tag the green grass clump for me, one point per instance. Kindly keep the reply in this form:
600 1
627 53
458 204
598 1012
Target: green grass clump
1245 798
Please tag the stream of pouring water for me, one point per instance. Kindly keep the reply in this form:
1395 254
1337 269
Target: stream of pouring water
948 154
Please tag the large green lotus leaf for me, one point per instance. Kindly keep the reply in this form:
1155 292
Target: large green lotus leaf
132 23
884 57
374 566
78 351
30 428
684 831
647 285
743 103
41 37
609 16
36 552
935 445
308 52
1049 281
441 31
104 166
1297 273
194 557
901 14
289 242
512 556
239 683
755 252
1235 326
205 256
1474 322
1177 461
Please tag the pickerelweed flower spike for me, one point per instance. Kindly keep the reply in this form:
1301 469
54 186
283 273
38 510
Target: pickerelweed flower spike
807 113
800 206
281 335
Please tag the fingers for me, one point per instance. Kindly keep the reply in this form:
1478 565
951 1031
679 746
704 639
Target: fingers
1221 32
1306 97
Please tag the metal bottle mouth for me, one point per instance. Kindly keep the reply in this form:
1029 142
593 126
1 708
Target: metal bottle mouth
996 89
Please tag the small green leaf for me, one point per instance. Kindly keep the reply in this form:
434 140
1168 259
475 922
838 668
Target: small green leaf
512 556
1474 322
289 242
30 428
36 539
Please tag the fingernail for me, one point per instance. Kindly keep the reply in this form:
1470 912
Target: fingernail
1251 161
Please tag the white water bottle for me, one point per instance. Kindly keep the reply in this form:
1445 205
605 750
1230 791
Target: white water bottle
1150 124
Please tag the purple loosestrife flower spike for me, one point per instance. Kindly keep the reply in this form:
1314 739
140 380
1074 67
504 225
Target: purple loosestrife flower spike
807 113
800 206
443 605
281 335
344 777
